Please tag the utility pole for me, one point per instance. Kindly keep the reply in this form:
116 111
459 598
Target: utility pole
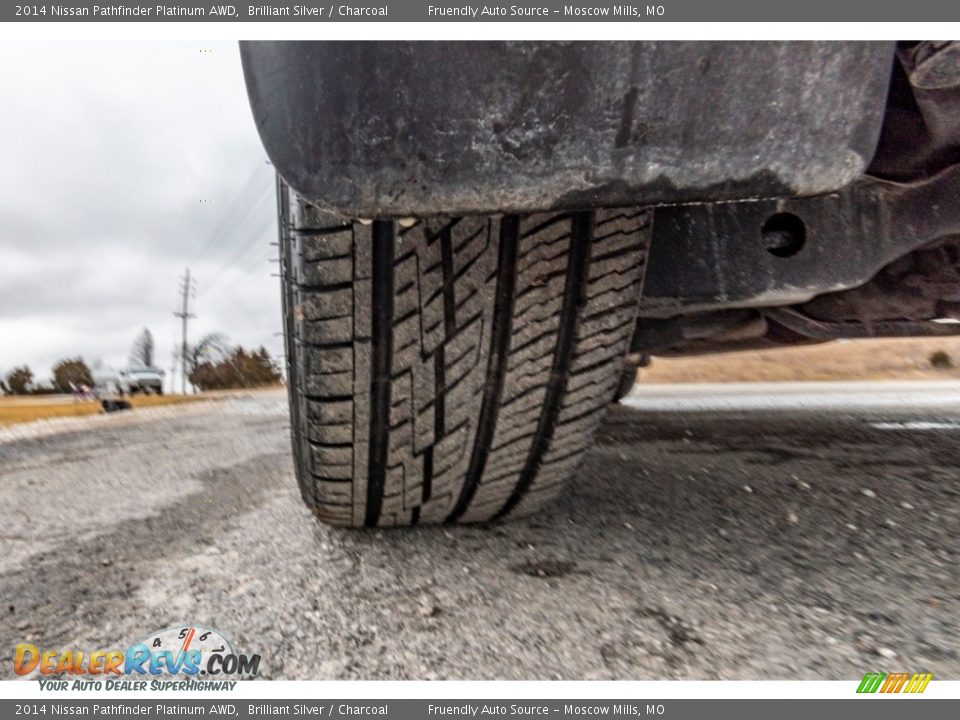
186 291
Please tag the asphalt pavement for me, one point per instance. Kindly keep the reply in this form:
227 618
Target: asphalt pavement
713 532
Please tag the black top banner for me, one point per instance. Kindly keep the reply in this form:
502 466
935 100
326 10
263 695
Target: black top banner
452 11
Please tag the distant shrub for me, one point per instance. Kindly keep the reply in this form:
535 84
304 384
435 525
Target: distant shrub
71 373
240 369
941 360
19 381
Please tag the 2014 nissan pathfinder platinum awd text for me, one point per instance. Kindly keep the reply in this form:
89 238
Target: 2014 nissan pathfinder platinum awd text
482 241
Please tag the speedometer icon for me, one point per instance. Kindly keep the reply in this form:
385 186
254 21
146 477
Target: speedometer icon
178 640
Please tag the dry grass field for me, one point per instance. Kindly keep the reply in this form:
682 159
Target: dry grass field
21 409
897 359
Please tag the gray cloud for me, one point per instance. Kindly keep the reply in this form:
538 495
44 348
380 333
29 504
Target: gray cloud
109 151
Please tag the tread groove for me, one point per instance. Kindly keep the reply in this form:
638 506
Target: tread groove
500 331
446 264
381 356
573 295
439 360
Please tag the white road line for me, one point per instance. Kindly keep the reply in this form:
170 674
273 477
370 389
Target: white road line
829 396
916 425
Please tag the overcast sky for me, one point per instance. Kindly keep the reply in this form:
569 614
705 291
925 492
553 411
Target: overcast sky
122 165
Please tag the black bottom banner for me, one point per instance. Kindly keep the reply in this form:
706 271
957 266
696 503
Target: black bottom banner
875 708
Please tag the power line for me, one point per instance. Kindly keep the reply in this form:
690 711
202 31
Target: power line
247 202
248 237
253 211
240 257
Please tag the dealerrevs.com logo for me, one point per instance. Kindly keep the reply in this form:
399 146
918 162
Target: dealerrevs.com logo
188 651
898 682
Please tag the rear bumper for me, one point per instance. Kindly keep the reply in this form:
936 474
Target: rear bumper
377 129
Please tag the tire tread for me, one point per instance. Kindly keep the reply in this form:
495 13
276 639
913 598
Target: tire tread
455 370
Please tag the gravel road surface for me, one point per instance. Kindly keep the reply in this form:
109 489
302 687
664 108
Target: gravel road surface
713 532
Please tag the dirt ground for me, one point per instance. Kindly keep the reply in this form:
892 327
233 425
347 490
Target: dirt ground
896 359
706 536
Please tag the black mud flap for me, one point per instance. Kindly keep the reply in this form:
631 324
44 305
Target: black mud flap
395 129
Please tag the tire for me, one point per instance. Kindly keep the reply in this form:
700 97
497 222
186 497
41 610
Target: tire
452 370
628 376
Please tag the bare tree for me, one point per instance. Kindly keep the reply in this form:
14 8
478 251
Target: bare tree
211 348
142 352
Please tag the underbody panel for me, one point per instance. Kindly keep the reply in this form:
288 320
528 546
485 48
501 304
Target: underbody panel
800 190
